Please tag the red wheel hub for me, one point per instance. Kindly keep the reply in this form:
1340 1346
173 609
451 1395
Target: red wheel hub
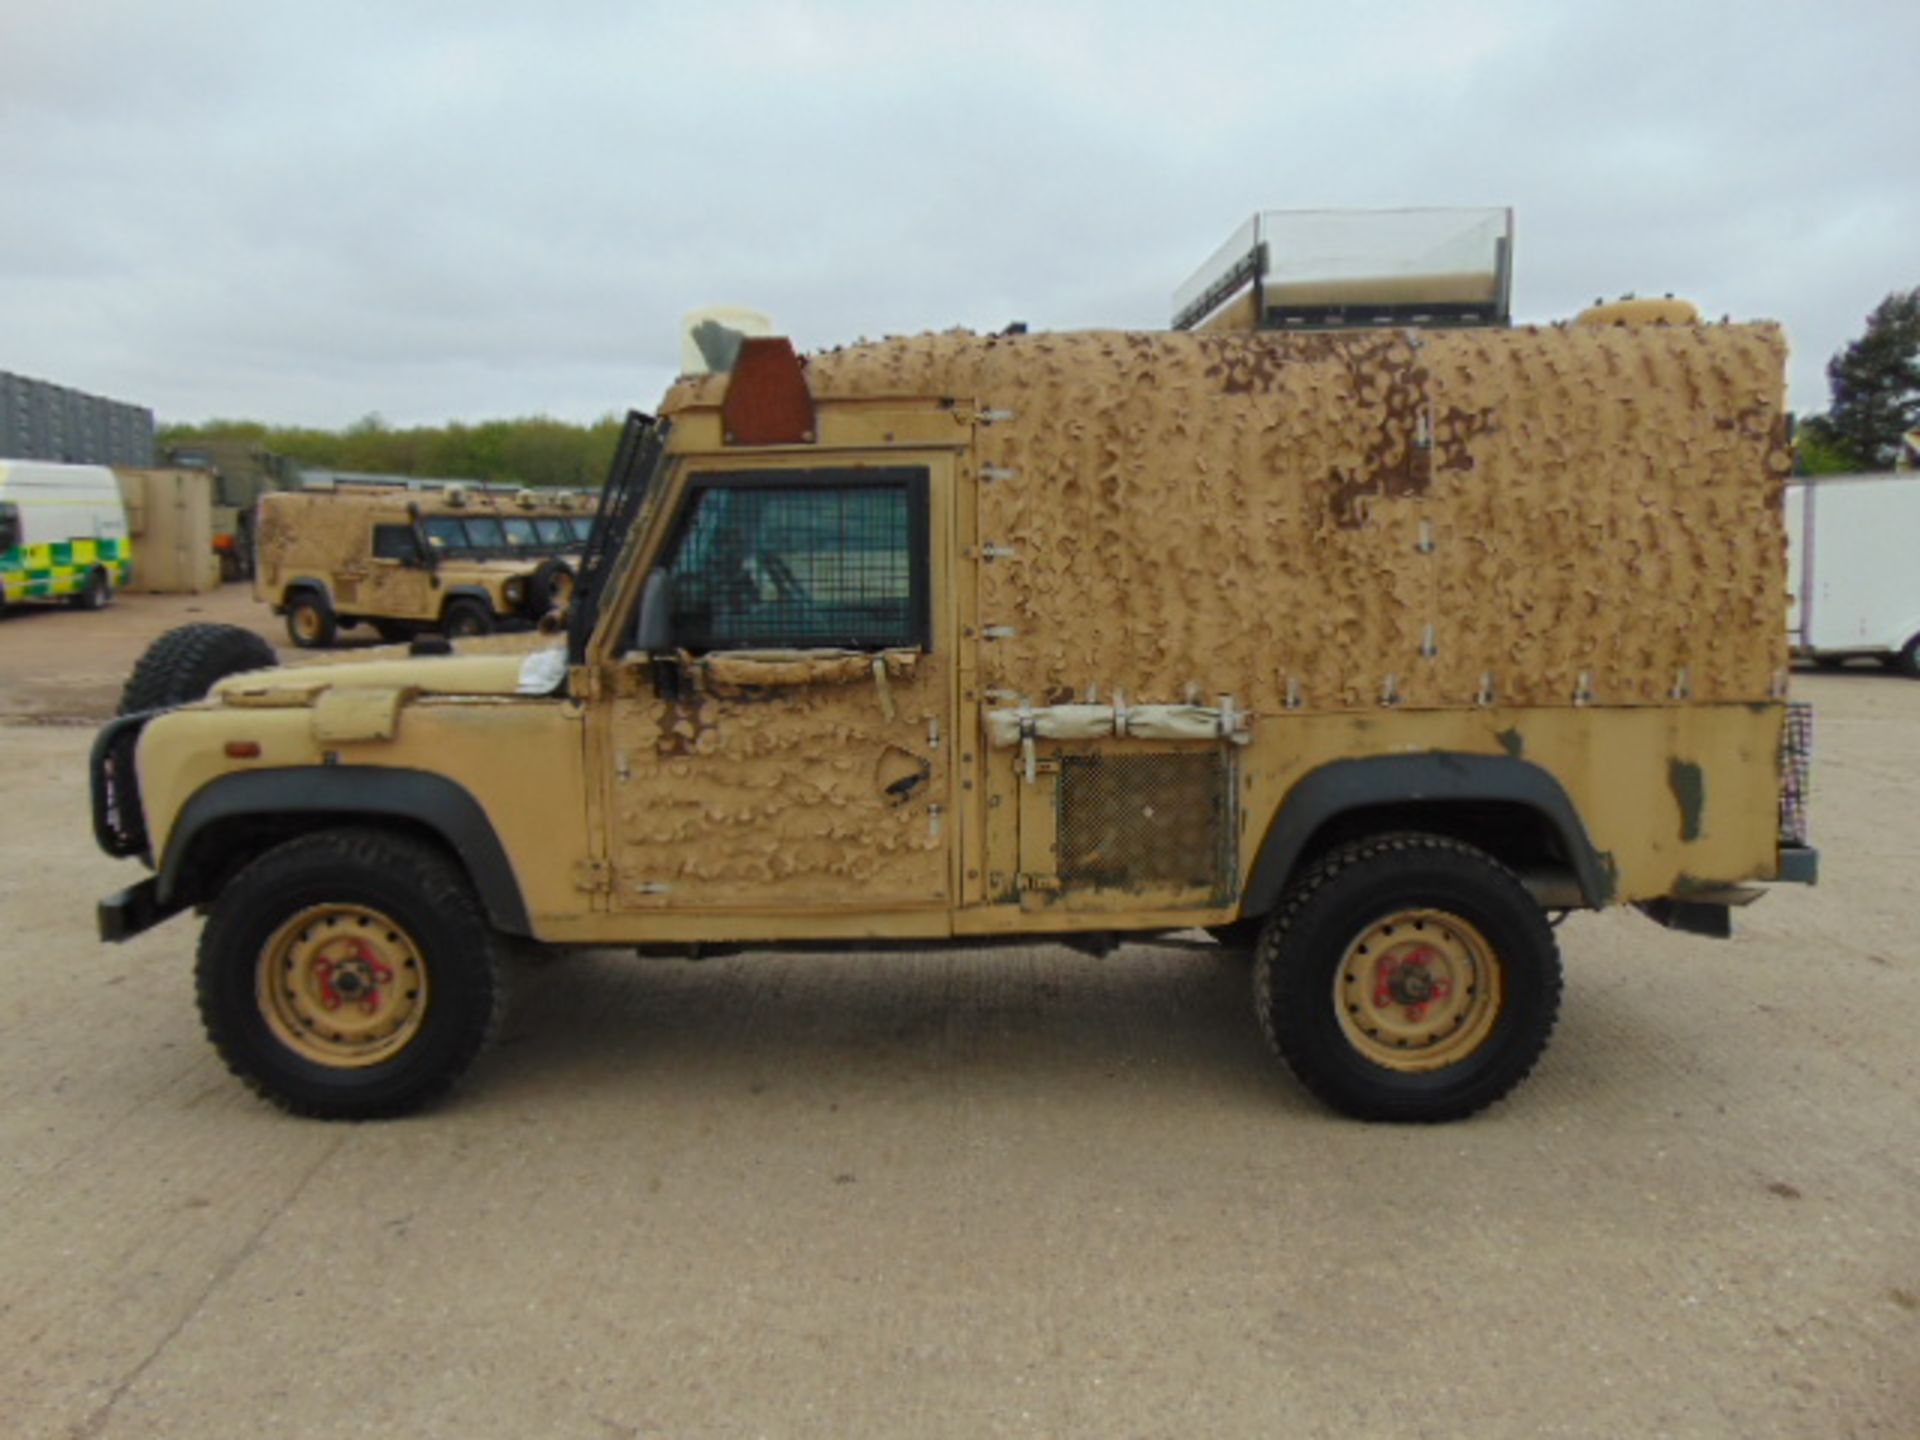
1407 978
354 979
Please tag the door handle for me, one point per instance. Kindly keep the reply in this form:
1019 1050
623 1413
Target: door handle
901 790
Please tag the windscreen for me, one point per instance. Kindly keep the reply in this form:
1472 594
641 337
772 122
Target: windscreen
636 465
486 532
446 534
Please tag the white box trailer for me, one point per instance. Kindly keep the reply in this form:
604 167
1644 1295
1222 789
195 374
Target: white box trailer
1855 587
63 534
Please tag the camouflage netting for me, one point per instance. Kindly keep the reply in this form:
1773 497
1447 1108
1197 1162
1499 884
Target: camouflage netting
1436 518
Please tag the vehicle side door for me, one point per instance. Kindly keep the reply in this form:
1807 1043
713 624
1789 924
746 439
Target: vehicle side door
398 582
779 730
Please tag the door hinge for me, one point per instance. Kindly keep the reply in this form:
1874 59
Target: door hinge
592 876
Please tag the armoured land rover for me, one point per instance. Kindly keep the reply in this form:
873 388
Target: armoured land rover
1368 648
460 560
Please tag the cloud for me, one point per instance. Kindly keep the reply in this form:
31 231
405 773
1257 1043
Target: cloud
307 213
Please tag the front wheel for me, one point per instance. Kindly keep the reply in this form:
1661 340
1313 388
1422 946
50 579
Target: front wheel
1907 662
1408 978
310 620
465 616
348 975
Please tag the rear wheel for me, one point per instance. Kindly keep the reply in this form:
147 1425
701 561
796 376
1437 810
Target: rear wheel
1907 662
96 593
465 616
1409 978
183 664
348 975
310 621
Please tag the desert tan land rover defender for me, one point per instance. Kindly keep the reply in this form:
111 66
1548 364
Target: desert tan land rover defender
1367 649
460 561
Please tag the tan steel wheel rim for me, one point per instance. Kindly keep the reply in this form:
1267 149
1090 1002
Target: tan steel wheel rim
342 985
560 591
306 622
1418 989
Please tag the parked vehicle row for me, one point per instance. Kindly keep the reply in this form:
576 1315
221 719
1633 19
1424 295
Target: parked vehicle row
406 561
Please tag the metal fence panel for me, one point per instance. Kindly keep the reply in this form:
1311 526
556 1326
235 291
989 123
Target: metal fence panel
43 421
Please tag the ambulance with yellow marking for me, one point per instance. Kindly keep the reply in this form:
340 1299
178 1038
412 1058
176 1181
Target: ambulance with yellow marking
63 534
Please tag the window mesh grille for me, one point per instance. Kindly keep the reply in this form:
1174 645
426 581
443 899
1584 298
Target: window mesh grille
796 567
1131 821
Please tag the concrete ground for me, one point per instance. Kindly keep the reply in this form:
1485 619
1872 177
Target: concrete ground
1006 1193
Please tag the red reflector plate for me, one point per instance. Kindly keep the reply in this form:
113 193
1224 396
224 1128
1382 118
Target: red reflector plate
767 401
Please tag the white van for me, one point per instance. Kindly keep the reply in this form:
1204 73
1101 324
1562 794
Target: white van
63 534
1849 562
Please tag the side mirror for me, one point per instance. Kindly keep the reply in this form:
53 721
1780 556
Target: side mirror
654 632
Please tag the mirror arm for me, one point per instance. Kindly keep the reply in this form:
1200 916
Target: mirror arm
428 560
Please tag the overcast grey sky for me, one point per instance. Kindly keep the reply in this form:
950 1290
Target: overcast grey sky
305 212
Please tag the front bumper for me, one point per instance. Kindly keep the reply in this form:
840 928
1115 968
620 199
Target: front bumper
129 912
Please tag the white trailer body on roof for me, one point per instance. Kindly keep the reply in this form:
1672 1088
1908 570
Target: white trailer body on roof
1850 557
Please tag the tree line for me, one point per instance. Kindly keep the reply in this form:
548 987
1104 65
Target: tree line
1875 382
537 450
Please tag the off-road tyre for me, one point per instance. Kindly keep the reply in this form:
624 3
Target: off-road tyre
311 623
183 664
1310 970
96 594
1907 662
549 587
342 885
465 616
